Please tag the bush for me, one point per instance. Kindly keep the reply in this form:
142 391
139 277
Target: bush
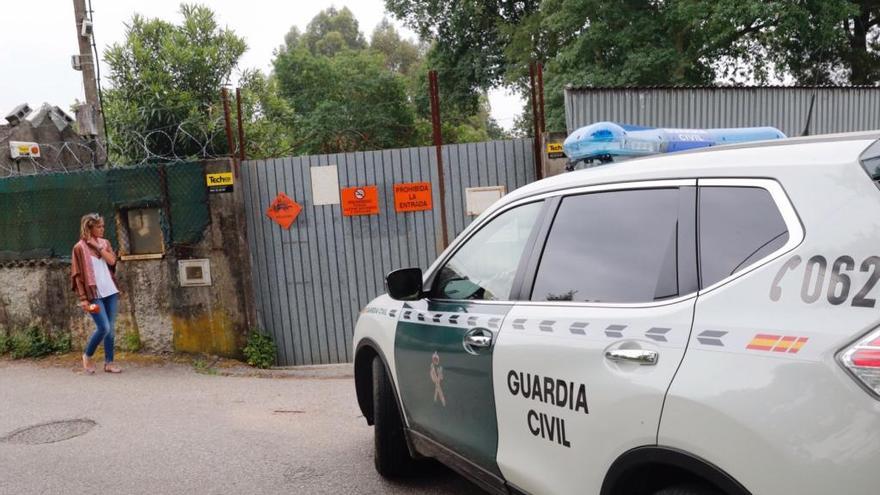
4 342
34 342
260 350
131 341
61 343
29 343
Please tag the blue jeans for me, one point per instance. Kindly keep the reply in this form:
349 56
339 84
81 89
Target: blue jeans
104 321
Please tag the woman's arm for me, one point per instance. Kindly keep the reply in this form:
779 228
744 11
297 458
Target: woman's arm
108 254
104 249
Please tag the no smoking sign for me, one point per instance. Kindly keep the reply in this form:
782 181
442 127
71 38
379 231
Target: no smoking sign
360 200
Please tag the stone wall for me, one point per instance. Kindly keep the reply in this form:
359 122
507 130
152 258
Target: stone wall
165 316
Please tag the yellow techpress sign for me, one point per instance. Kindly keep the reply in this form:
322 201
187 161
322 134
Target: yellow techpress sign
221 182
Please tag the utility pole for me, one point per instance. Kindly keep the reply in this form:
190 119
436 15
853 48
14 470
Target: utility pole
434 94
94 114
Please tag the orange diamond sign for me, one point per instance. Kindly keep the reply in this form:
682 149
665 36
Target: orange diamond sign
283 210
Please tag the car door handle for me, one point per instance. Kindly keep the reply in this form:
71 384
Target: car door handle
477 338
644 357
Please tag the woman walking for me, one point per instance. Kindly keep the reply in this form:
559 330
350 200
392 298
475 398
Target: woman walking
92 280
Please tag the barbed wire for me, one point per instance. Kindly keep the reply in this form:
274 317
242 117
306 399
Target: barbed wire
193 139
184 141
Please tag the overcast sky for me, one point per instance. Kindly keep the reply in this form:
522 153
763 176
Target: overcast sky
39 37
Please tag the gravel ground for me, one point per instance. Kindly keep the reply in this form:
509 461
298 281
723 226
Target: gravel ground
161 427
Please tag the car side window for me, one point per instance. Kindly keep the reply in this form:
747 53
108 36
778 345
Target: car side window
616 246
485 266
737 226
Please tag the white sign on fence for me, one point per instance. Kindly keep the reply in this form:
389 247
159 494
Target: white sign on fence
478 199
325 185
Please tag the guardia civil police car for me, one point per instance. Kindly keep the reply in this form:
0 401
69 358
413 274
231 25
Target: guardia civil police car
694 323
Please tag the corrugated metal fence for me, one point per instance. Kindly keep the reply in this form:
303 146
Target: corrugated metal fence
836 109
312 280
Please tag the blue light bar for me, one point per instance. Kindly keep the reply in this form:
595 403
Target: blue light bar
605 141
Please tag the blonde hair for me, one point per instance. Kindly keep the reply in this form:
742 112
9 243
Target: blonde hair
86 223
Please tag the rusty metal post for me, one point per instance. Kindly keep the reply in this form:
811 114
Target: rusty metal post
434 93
536 130
543 127
224 94
240 132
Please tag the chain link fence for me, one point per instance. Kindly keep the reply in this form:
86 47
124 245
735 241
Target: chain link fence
40 214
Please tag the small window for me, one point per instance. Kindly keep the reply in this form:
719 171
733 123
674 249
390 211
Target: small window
141 235
737 227
485 266
618 246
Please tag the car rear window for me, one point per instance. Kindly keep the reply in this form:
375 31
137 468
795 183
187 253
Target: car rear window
616 246
737 227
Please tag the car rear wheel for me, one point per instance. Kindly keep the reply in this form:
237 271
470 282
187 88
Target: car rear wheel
392 456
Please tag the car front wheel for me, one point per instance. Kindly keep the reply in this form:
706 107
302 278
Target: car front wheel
392 456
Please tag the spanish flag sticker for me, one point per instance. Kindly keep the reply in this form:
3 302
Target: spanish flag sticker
777 343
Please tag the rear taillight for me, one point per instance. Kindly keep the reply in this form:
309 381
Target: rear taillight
862 359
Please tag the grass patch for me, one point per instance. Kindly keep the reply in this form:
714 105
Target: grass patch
130 341
34 342
202 366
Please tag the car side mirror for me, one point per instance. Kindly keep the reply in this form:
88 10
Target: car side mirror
404 284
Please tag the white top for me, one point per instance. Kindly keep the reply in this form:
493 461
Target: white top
103 280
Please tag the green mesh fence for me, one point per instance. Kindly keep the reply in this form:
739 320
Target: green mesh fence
40 214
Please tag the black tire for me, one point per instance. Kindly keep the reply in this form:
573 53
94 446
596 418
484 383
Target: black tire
392 456
689 489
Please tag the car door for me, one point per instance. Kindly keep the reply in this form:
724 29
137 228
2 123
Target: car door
444 344
582 367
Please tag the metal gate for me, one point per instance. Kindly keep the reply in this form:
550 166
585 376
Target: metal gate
311 281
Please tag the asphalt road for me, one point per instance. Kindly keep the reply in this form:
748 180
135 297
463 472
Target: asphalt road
168 429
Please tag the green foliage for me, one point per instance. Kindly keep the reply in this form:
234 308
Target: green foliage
33 341
268 118
345 96
167 77
401 56
645 42
333 31
130 341
202 366
61 343
260 350
345 102
4 342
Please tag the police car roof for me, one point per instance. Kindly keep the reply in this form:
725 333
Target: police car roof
745 159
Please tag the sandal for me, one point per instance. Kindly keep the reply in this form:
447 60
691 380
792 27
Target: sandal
88 367
112 368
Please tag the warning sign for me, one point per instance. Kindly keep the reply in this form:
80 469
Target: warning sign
412 196
220 182
554 150
361 200
283 210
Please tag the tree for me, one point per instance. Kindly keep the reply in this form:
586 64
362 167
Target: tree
401 56
484 43
166 82
357 97
346 102
828 42
267 117
332 31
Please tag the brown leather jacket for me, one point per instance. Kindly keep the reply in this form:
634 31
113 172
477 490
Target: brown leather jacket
82 278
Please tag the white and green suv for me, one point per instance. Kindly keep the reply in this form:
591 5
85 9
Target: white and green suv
696 323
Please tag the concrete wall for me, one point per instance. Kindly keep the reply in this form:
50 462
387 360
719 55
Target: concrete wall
63 150
166 316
